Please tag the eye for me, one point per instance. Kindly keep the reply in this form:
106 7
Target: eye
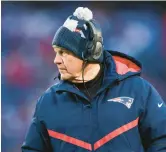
61 52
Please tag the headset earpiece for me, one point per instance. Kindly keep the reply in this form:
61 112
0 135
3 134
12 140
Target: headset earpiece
95 45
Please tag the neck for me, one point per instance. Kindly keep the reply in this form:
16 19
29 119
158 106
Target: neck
90 72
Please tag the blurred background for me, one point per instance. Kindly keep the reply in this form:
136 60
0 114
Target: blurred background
27 28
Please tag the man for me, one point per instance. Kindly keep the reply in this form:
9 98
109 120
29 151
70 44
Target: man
101 103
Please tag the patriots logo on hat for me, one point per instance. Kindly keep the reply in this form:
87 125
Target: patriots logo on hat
72 24
127 101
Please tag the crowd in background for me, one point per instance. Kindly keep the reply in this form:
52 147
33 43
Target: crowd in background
137 29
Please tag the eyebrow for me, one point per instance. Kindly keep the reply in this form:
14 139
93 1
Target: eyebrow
56 48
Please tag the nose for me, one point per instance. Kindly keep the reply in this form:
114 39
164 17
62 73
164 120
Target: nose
58 59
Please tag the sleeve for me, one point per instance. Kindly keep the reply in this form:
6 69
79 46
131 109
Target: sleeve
37 138
153 123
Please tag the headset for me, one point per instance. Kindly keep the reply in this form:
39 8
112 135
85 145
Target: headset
94 47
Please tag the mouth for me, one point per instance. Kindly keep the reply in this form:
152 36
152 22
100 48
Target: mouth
62 69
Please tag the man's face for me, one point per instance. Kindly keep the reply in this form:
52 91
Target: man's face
69 66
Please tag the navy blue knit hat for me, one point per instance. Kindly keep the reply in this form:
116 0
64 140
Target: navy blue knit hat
74 34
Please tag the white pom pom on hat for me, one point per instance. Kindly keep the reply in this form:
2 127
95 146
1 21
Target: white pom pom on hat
83 13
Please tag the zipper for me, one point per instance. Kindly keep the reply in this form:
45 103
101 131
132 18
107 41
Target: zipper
89 101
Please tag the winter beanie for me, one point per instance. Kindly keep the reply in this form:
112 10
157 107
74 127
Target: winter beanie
74 34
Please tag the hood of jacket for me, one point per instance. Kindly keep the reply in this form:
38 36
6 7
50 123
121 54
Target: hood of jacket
120 65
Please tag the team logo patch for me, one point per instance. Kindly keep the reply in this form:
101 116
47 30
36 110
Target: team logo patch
72 24
127 101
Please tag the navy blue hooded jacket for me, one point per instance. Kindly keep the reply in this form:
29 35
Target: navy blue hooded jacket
126 115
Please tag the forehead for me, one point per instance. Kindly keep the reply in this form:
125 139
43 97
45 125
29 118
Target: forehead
57 49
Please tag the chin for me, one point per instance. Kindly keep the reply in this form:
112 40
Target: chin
66 77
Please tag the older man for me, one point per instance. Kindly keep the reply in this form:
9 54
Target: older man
101 103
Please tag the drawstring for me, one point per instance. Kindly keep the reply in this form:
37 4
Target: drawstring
84 64
58 76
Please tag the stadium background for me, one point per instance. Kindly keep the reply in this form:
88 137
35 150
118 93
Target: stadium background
135 28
